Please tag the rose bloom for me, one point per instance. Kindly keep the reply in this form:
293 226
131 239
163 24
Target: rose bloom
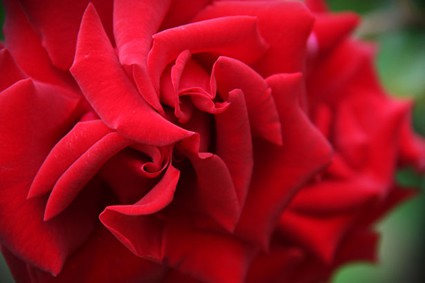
192 141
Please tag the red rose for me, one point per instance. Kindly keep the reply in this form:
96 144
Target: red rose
161 141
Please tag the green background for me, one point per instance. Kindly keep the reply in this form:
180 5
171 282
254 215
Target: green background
401 65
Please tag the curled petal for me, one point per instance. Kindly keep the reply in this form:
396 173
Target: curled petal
64 153
231 74
236 37
111 93
73 180
135 226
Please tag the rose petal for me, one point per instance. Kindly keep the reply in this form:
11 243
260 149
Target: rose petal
81 171
65 153
134 225
180 13
291 19
331 29
59 24
276 266
209 257
236 37
13 74
24 45
133 35
155 200
232 74
322 235
318 6
133 32
349 250
233 143
31 121
338 196
113 263
111 93
279 171
215 194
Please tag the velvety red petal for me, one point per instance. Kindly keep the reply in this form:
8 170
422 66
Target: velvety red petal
264 120
72 146
209 257
134 24
321 235
59 24
275 266
104 259
320 87
133 36
337 196
131 174
191 79
236 37
285 26
25 46
215 194
349 249
279 171
13 73
331 29
133 225
31 122
180 13
111 93
81 171
155 200
318 6
233 143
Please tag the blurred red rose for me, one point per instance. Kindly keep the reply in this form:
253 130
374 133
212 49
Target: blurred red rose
162 141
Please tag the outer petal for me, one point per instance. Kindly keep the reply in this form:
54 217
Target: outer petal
24 44
322 234
31 121
59 24
13 73
103 259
